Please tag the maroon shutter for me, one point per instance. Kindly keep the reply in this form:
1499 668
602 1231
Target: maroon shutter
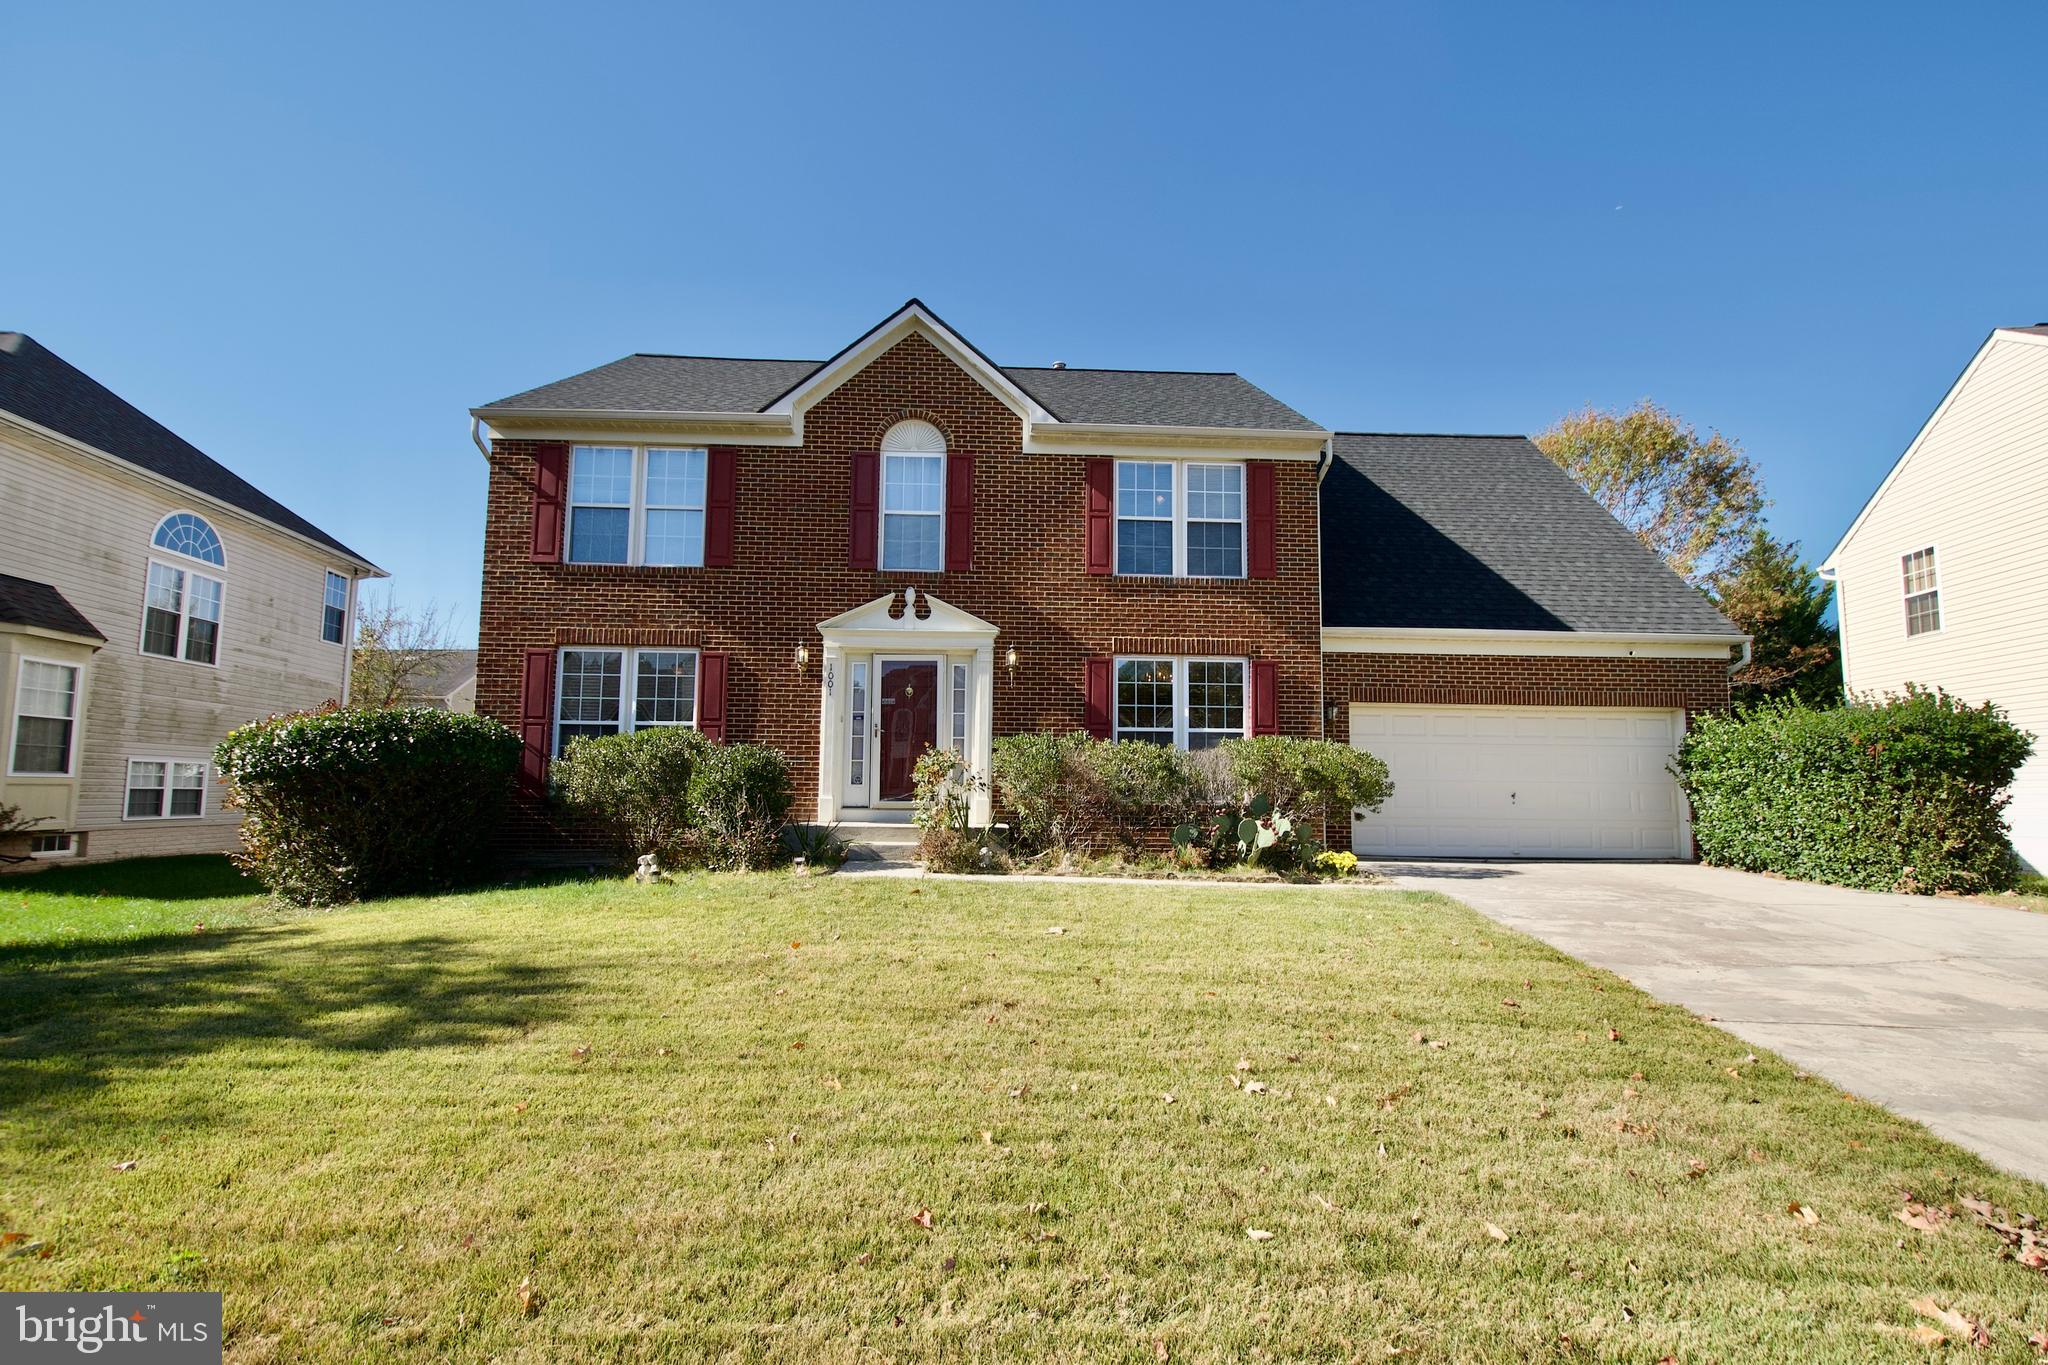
1098 697
719 480
711 694
550 473
536 717
861 511
1258 476
959 513
1101 505
1265 697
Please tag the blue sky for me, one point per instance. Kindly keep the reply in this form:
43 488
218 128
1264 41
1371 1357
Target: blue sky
310 238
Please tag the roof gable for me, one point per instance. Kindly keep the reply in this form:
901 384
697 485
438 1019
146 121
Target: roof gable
912 318
40 387
2019 336
24 602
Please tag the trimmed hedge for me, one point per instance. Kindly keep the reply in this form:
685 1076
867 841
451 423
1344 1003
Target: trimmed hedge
1899 794
344 805
680 796
1319 779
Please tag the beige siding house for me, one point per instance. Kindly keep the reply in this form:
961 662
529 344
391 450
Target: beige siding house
150 601
1943 578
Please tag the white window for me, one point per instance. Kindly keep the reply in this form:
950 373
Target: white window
913 498
636 505
1179 518
45 718
51 846
165 789
1923 592
857 724
181 607
610 691
960 710
1188 703
334 609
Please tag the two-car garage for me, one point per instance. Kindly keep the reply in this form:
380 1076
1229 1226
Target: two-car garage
1523 782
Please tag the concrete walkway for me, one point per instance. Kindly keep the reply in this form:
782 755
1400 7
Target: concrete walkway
1937 1008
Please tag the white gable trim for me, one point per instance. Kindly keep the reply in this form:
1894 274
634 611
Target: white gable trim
913 317
873 624
2003 335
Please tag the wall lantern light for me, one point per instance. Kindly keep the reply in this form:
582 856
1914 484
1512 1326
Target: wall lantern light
802 657
1010 660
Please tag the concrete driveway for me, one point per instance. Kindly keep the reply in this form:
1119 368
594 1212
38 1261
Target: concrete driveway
1937 1008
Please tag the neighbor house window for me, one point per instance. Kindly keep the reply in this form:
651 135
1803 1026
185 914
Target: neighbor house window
1187 703
913 497
614 691
1923 592
181 605
45 713
165 789
50 846
334 609
634 505
1179 518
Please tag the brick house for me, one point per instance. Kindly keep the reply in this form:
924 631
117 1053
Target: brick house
908 544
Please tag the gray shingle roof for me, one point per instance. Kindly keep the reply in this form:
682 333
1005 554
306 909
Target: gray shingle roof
41 386
691 383
24 602
1485 533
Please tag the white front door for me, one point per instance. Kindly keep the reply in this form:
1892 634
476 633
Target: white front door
1523 781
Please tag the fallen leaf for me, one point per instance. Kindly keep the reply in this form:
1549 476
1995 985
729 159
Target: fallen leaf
1056 929
664 1051
797 1046
1695 1168
1330 1100
1159 1351
948 1263
1254 1087
391 1322
988 1138
2039 1341
8 1239
529 1298
519 1108
1802 1213
923 1218
124 1165
1438 1043
1924 1335
1496 1232
1258 1234
833 1083
1418 1037
581 1054
1919 1215
1244 1064
1958 1326
1613 1035
793 943
1168 1097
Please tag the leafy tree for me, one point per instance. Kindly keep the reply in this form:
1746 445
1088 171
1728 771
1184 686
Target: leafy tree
1693 500
1773 595
395 650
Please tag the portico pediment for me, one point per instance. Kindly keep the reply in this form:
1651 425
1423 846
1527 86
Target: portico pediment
893 616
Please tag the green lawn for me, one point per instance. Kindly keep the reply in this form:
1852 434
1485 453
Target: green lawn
700 1122
139 898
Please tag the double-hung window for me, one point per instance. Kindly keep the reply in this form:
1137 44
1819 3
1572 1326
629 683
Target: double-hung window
636 505
1187 703
334 609
181 605
165 789
612 691
1179 518
45 715
913 510
1923 592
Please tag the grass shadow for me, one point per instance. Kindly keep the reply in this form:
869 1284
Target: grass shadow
182 877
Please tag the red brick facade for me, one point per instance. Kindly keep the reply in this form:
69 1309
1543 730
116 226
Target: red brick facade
790 571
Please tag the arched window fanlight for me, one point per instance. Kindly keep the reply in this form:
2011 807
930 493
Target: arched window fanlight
912 437
182 533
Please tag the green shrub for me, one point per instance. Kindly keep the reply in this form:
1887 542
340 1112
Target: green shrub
1038 780
635 787
343 805
739 798
1899 794
1134 791
1318 780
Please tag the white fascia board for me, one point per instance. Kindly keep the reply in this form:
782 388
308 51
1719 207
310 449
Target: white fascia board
1532 643
219 507
911 318
46 633
597 428
1828 565
1105 438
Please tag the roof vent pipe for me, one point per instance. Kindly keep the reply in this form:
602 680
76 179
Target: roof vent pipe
1059 364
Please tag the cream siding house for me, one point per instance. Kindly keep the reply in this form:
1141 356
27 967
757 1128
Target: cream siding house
1942 580
150 601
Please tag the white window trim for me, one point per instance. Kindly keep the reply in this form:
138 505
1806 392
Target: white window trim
184 566
1933 552
71 849
324 604
629 673
211 567
636 508
128 785
882 512
70 773
1180 664
1181 518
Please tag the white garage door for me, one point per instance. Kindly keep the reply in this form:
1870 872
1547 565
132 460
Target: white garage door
1523 781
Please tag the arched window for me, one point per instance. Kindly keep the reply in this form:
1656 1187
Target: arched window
181 607
182 533
913 497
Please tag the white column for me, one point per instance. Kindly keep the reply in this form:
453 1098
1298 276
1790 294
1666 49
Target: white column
981 730
831 749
